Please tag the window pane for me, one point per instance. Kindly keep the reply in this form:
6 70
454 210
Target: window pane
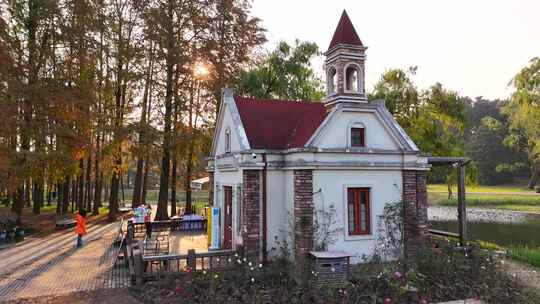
351 218
357 137
364 210
351 210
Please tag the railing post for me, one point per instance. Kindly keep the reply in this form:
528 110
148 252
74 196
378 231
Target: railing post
462 207
192 260
130 232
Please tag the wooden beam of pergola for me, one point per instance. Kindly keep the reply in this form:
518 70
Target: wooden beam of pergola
459 163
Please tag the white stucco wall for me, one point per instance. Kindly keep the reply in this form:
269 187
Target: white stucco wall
336 133
386 187
278 214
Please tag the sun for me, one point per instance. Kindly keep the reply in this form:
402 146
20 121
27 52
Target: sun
200 70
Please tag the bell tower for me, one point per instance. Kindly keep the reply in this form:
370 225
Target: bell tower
344 65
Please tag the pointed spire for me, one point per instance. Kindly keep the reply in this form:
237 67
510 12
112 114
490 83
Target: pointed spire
345 33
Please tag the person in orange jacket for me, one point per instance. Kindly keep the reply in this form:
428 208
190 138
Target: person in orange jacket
80 228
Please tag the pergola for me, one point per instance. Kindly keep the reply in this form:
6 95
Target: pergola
459 163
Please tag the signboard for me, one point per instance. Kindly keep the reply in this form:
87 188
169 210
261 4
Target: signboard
215 228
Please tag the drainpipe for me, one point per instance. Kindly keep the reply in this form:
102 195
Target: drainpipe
264 224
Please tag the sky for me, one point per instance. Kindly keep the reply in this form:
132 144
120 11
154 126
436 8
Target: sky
474 47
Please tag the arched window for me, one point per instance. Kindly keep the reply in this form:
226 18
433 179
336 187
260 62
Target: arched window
353 79
228 140
331 80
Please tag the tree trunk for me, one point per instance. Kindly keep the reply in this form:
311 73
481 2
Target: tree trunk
122 187
18 205
27 196
189 199
173 187
137 188
535 175
145 180
113 197
80 186
162 212
65 195
88 194
37 197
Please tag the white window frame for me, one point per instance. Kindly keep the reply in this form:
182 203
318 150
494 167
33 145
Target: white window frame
345 207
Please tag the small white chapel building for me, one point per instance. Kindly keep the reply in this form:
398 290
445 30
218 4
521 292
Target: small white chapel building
274 163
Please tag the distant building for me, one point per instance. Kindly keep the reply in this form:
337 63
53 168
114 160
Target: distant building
200 184
274 163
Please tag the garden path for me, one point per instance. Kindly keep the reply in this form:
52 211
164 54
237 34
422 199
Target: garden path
528 275
53 266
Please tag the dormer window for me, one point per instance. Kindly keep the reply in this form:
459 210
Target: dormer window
358 136
227 140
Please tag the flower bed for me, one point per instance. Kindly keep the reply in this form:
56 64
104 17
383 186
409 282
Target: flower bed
439 273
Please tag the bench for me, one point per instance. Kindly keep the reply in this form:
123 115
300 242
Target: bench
65 222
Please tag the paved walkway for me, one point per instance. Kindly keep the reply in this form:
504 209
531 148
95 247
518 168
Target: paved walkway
53 266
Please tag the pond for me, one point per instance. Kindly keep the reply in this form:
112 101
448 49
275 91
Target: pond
497 226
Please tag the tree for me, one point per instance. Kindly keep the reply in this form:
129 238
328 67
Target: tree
284 73
524 116
231 38
435 118
485 132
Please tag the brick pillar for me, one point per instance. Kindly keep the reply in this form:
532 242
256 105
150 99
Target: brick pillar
211 188
251 212
303 215
415 207
421 198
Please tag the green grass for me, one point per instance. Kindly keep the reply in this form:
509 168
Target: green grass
489 245
152 195
509 188
525 254
499 201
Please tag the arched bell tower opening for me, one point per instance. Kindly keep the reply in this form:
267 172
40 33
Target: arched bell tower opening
344 64
331 80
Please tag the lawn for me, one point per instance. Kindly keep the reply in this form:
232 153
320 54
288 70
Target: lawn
498 197
525 254
152 196
525 203
508 188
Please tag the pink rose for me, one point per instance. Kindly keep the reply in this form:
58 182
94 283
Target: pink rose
397 275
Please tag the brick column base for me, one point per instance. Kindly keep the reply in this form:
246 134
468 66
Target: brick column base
251 212
415 207
303 216
211 188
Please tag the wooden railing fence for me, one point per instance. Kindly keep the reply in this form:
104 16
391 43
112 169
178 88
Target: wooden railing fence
143 267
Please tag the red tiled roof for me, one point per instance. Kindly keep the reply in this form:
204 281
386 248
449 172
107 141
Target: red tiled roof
345 33
279 124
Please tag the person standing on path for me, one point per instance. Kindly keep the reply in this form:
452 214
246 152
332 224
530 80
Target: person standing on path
80 228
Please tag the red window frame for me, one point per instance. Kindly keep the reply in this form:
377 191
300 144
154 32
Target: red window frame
356 198
358 137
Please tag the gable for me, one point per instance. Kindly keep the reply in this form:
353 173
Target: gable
381 129
229 122
227 127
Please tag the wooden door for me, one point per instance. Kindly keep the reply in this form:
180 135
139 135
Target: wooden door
227 223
